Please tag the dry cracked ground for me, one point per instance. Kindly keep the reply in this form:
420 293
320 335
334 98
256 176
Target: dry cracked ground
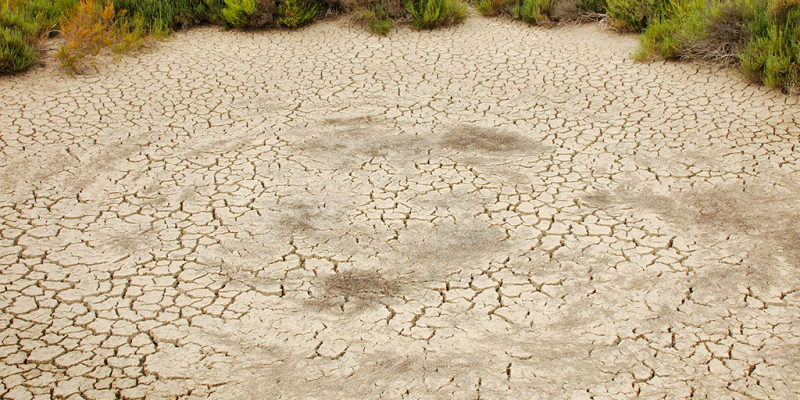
491 211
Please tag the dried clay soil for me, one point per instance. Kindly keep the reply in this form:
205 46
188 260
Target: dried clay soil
489 211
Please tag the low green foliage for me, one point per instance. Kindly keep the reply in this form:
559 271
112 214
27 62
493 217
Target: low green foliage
493 7
533 11
762 38
377 19
427 14
773 54
237 12
537 12
45 14
249 13
631 15
296 13
670 36
16 50
22 23
636 15
596 6
165 15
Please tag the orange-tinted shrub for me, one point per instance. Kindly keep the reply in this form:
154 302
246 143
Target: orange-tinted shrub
93 27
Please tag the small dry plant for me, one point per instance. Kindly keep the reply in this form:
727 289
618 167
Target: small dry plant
94 27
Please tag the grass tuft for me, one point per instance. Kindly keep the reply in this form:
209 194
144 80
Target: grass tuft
166 15
296 13
237 12
493 7
533 11
249 13
377 19
16 50
428 14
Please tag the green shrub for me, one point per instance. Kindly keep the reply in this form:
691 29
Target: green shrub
596 6
166 15
533 11
773 54
17 36
249 13
636 15
716 32
378 20
762 38
238 12
672 35
630 15
427 14
45 14
295 13
577 10
16 51
542 11
493 7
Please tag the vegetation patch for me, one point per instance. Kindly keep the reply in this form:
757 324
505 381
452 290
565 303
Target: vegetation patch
296 13
538 12
494 7
773 53
761 37
23 24
167 15
377 19
16 42
93 27
635 15
427 14
250 13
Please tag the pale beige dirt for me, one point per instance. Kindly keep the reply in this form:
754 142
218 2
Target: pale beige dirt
489 211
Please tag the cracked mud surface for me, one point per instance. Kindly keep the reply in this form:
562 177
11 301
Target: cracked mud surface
328 214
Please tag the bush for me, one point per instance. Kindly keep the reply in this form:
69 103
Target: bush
249 13
670 36
773 54
544 11
238 12
636 15
762 38
427 14
93 27
717 34
16 51
378 20
493 7
21 24
533 11
264 14
577 10
45 14
162 16
595 6
295 13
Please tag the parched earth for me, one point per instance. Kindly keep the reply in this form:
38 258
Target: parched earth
489 211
